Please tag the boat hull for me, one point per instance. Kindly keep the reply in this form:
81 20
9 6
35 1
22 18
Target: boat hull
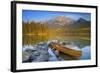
71 52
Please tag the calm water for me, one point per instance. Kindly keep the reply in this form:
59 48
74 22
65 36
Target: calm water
81 42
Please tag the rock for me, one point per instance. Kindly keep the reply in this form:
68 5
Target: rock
25 56
27 47
28 53
41 58
52 56
30 50
39 53
36 53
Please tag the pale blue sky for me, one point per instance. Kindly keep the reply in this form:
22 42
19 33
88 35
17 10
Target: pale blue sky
29 15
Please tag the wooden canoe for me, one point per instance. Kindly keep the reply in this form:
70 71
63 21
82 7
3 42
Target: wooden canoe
66 50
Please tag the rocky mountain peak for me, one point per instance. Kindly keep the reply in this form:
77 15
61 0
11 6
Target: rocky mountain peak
81 20
64 20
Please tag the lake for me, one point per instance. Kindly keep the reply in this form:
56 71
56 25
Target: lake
83 43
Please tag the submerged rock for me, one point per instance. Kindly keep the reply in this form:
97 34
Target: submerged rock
41 58
39 53
52 56
25 56
29 48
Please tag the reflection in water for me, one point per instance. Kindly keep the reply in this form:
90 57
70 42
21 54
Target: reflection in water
35 39
31 39
35 33
78 41
86 52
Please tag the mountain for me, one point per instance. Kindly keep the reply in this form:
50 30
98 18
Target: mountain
59 21
81 20
66 22
80 23
63 22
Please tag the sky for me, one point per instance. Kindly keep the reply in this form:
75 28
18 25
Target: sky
29 15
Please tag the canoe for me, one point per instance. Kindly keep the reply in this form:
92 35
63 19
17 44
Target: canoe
66 50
